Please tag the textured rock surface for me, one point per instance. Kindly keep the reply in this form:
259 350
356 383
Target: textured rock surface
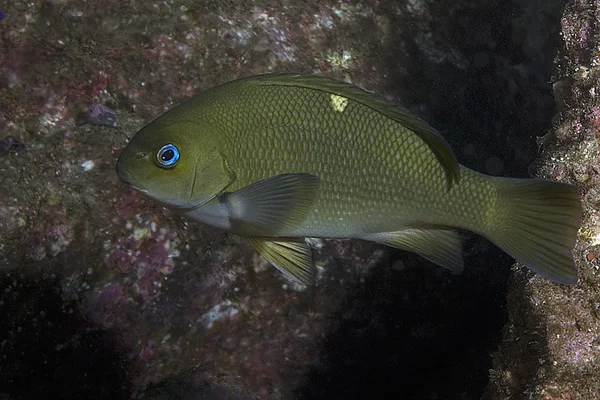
105 294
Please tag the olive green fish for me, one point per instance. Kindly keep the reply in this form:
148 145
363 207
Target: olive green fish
278 158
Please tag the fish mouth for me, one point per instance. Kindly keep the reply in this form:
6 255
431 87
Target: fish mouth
126 177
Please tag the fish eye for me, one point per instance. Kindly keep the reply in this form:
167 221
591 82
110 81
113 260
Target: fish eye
167 156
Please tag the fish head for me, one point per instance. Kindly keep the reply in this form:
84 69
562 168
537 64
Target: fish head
175 164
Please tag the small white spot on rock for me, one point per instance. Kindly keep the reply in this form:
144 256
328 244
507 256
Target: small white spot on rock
88 165
219 311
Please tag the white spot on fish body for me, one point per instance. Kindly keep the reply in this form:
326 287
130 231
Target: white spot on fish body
338 103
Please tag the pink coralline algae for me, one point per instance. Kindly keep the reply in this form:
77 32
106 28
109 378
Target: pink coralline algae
110 297
146 353
60 236
51 238
99 114
578 31
128 202
594 119
147 253
107 303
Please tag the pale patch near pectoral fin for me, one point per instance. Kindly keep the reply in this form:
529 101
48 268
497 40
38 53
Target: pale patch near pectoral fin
271 205
440 246
292 256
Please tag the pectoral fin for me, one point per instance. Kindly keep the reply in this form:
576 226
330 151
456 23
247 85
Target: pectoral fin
272 205
292 256
440 246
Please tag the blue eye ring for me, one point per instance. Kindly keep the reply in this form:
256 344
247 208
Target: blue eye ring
167 156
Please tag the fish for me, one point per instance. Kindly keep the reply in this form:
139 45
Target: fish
278 158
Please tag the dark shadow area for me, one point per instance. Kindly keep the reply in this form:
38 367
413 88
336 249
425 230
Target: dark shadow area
49 350
415 333
489 89
188 385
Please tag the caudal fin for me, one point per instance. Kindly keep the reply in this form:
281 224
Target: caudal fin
538 225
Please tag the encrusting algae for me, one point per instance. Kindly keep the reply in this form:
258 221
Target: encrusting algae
277 158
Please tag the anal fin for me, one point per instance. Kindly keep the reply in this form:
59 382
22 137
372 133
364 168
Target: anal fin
440 246
291 256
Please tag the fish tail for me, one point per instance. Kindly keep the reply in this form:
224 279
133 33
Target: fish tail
537 223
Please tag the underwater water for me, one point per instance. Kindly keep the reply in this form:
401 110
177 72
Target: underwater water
105 294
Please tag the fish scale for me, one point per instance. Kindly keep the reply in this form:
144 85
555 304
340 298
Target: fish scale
385 184
280 157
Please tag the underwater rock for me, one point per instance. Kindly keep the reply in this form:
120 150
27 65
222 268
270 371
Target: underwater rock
11 144
99 114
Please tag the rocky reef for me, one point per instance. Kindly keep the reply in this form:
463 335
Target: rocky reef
105 294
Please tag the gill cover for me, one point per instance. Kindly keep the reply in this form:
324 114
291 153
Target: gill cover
199 158
212 177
